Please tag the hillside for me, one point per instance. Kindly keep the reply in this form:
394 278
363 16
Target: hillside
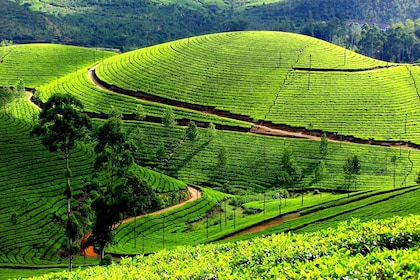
266 93
289 79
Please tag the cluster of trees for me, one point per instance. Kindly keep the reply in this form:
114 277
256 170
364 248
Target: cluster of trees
115 190
290 177
7 94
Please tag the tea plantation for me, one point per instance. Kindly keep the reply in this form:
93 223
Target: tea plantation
294 87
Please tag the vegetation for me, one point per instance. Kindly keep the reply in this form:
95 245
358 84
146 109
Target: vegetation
247 130
378 249
381 29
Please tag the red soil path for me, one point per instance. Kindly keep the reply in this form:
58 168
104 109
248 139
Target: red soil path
261 226
194 194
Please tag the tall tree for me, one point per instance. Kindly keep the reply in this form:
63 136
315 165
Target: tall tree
61 123
191 133
114 156
323 146
114 153
168 119
289 175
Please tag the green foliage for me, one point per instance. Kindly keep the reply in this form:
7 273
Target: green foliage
377 249
168 118
39 64
191 133
107 260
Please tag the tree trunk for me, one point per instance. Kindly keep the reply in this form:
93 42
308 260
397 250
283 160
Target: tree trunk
69 243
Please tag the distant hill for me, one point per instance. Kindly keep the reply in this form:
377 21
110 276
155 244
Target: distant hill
129 24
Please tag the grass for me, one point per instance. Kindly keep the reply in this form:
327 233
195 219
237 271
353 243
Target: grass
271 85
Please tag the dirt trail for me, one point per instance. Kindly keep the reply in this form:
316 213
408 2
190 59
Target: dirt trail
194 194
266 224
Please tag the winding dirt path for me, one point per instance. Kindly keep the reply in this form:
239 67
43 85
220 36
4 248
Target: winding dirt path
194 195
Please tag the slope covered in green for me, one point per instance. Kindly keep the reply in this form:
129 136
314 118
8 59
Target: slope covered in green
385 249
38 64
280 78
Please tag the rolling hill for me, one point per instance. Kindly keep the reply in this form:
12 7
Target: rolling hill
265 92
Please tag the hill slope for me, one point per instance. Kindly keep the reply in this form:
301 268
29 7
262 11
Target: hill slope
278 78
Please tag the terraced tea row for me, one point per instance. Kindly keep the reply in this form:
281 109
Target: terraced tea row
379 104
37 64
31 191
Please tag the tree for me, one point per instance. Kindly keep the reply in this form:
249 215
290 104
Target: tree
161 154
320 171
115 157
168 119
6 96
139 114
289 175
211 130
61 123
323 146
191 133
20 89
351 169
394 162
114 153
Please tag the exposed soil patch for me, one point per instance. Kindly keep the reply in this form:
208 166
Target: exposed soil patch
266 224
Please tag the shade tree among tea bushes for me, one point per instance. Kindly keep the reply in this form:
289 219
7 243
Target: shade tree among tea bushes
62 123
124 192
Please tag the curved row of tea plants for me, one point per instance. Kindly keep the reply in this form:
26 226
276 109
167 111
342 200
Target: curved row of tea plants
38 64
378 249
166 230
31 193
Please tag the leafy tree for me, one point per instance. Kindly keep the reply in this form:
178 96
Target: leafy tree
115 113
211 130
168 119
320 171
141 151
20 89
394 162
115 157
191 133
114 153
161 154
323 146
351 169
139 114
6 96
61 123
289 175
